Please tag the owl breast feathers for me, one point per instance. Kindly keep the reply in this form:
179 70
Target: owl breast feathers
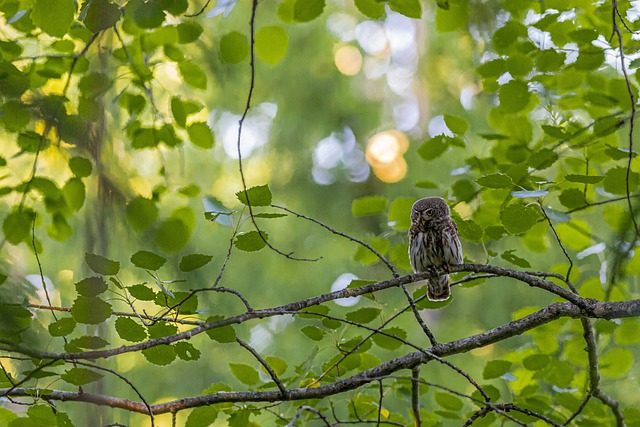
433 242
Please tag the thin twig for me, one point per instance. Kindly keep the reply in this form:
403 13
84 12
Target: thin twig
252 83
200 12
564 250
308 409
594 373
266 366
385 261
415 395
126 380
632 100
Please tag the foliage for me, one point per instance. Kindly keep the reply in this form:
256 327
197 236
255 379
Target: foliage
137 176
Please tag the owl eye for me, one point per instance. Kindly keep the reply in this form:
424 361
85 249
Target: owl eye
429 212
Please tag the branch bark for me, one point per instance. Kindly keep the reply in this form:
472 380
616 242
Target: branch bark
593 309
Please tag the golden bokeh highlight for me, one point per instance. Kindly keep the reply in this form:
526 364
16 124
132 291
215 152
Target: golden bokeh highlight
384 154
348 60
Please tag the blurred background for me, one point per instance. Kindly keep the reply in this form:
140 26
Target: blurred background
340 107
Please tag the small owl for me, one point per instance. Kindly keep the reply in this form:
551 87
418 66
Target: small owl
433 242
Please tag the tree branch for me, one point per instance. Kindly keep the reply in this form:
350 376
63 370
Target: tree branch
595 309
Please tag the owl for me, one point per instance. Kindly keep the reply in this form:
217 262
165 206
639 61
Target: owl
433 242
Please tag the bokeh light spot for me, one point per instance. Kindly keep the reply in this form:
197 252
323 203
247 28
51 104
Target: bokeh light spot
384 154
348 60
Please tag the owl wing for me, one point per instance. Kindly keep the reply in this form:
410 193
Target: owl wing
451 244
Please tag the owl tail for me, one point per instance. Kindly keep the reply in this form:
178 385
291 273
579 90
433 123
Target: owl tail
438 288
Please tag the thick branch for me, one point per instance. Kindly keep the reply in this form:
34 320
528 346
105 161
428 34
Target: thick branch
595 309
590 308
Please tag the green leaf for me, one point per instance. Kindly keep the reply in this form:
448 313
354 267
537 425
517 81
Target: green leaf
449 401
387 342
224 334
514 259
271 43
183 109
141 213
89 342
101 14
15 116
161 329
91 286
144 138
307 10
259 195
584 179
148 14
188 32
268 215
160 355
616 178
80 166
31 142
251 241
141 292
628 332
62 327
148 260
278 365
518 218
134 104
559 372
313 332
370 8
90 310
456 124
495 369
202 416
188 302
234 48
175 7
549 60
245 373
80 376
193 75
200 135
17 226
369 205
426 184
186 351
434 147
130 330
59 229
495 180
616 363
54 17
536 362
572 198
514 96
194 261
469 230
74 193
364 315
400 213
408 8
93 85
102 265
173 234
464 190
365 256
542 159
454 17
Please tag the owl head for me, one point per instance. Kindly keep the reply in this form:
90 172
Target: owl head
429 209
